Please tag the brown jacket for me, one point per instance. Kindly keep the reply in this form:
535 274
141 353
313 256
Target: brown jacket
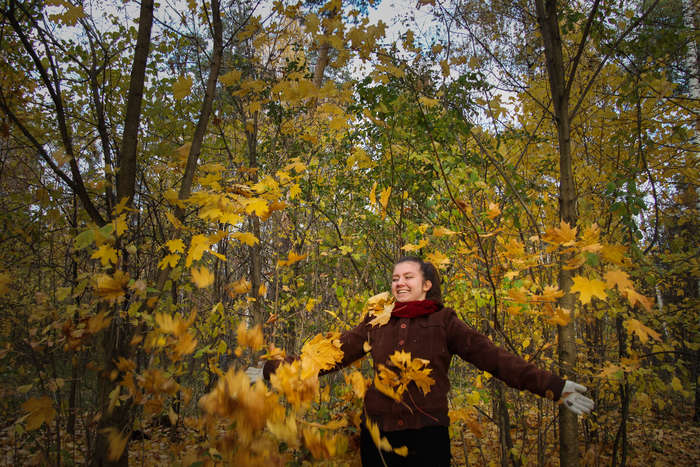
436 337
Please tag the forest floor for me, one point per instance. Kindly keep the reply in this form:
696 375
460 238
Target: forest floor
653 442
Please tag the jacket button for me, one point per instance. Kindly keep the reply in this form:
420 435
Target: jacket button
401 342
403 325
400 422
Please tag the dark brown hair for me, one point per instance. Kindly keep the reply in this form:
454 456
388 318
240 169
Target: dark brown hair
430 273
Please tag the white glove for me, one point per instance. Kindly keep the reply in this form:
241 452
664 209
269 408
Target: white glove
573 400
254 373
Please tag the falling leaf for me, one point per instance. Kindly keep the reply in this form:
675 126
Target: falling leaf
98 322
588 288
246 238
176 245
411 247
168 261
438 259
117 442
635 298
443 231
372 194
357 382
182 87
106 254
240 287
198 245
616 277
291 259
202 277
252 338
494 211
39 410
384 200
230 78
563 235
642 331
112 288
257 206
380 307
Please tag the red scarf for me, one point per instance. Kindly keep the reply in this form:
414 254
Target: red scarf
415 308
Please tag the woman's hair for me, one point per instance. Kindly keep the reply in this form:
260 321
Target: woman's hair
430 273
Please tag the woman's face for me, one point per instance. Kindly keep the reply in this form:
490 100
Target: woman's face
407 282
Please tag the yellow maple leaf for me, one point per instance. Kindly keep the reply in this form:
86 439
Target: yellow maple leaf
39 411
230 78
199 244
322 352
291 259
443 231
252 338
112 288
412 247
240 287
380 441
438 259
176 245
493 211
642 331
202 277
257 206
588 288
357 383
372 194
635 297
384 200
294 191
168 261
380 307
246 238
106 254
98 322
182 87
616 277
120 225
563 235
613 253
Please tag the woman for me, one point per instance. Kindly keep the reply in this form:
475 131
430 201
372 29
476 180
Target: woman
422 326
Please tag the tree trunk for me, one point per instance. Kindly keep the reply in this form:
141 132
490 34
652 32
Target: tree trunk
255 251
691 61
549 26
117 335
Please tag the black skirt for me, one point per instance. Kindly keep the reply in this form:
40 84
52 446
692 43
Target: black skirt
428 446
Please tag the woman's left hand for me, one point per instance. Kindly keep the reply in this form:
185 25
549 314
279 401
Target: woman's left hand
574 400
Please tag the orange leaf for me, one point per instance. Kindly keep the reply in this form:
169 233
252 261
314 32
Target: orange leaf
641 330
616 277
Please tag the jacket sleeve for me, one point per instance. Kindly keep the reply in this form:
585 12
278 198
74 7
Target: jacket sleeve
351 343
476 348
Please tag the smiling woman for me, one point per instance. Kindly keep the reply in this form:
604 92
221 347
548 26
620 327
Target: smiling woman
423 332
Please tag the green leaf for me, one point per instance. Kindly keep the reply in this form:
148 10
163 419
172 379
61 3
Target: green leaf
84 239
